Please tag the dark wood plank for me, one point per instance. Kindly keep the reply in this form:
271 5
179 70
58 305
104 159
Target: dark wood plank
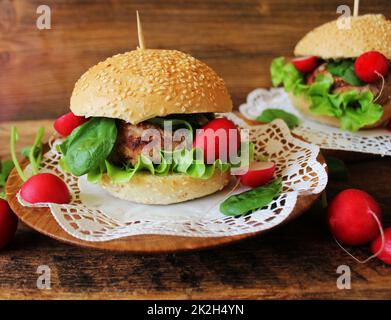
298 260
41 220
237 38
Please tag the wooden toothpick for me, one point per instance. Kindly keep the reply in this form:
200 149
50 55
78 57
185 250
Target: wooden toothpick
356 7
141 42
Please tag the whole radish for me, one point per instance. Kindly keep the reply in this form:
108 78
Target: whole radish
258 174
8 224
65 124
385 254
217 134
371 66
44 188
305 64
351 217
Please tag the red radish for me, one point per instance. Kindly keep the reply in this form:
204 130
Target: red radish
305 64
218 133
45 187
385 254
371 66
8 224
65 124
258 174
351 217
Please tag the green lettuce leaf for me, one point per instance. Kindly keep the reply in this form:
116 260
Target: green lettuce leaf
354 109
183 162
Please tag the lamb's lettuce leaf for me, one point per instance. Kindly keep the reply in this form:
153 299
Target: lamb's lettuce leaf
354 109
181 162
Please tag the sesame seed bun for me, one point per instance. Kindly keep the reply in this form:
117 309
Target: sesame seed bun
146 83
367 32
148 189
303 105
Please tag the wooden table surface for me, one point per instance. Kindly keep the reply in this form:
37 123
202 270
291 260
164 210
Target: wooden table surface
238 39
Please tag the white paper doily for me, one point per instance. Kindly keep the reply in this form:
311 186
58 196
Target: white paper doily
377 141
94 215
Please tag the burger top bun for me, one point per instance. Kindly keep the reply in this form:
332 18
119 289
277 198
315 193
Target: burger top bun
366 33
146 83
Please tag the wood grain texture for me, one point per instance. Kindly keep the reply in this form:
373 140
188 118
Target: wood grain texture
296 261
237 38
41 219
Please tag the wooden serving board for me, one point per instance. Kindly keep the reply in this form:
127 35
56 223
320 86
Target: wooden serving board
42 221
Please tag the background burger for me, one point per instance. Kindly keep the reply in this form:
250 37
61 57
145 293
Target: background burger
341 76
114 102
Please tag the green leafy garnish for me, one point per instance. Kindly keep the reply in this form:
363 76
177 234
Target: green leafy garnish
248 201
5 169
354 109
89 145
14 138
269 115
345 70
336 169
177 162
33 153
175 124
36 151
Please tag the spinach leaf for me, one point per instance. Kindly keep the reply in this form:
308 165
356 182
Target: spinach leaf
269 115
354 109
345 70
89 145
337 169
175 124
245 202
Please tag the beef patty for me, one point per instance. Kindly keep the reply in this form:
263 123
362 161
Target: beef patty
143 138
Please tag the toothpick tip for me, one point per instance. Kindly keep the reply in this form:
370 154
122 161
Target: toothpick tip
141 41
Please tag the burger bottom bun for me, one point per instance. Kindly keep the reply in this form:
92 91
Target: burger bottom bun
149 189
303 105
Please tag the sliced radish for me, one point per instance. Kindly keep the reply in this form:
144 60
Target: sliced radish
353 217
8 224
65 124
306 64
385 254
45 188
371 66
258 174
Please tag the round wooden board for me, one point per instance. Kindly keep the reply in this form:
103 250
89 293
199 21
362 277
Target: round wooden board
42 221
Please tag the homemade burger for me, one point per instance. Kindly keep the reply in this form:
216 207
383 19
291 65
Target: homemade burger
341 76
115 102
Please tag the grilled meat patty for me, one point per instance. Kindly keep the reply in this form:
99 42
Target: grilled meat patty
143 138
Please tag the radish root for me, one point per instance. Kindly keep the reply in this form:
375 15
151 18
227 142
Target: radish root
374 255
382 86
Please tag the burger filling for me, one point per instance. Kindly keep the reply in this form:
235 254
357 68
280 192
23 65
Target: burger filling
333 89
159 146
